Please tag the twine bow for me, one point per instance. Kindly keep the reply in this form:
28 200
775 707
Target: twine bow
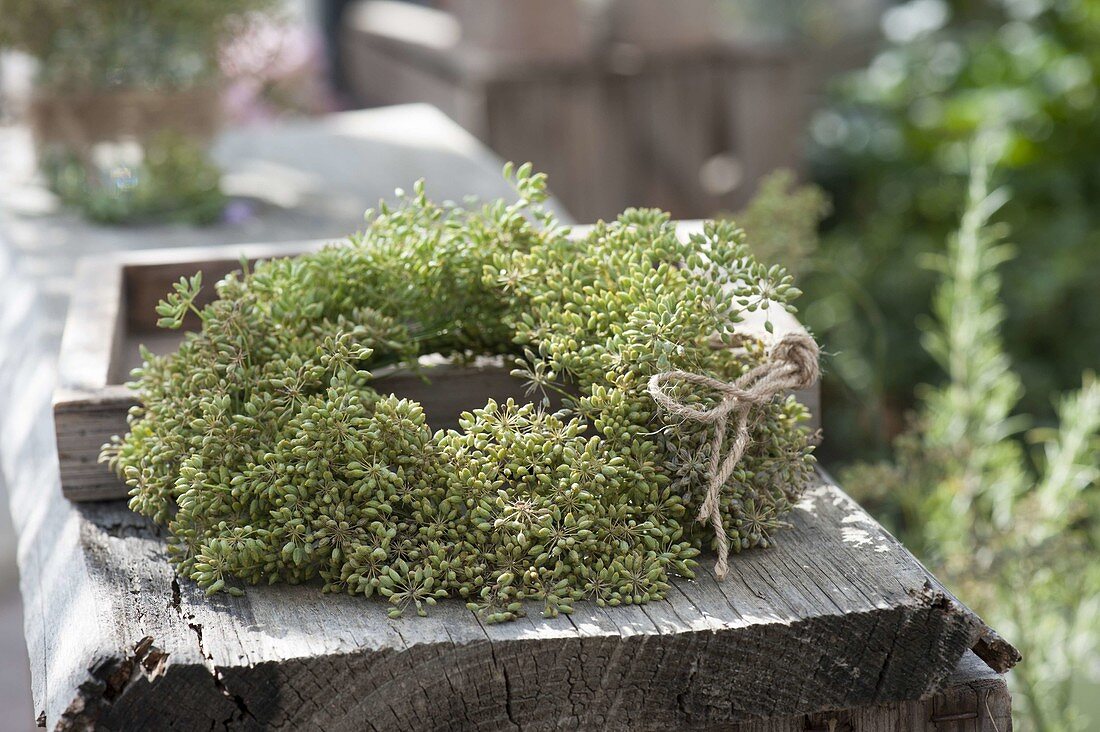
792 364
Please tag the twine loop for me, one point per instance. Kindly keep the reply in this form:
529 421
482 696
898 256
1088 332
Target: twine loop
792 364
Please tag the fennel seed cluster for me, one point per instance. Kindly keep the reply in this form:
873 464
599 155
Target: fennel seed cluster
264 447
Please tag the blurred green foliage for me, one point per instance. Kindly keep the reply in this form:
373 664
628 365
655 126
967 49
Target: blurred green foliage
1011 525
171 179
782 219
90 44
891 151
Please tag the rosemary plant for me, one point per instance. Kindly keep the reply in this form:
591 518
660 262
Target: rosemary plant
264 447
1014 534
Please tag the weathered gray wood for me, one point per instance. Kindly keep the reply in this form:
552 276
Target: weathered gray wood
836 615
113 314
996 652
524 30
976 699
656 25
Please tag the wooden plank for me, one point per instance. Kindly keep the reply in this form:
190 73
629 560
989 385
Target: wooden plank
116 643
87 405
656 25
92 331
450 49
765 130
526 31
836 615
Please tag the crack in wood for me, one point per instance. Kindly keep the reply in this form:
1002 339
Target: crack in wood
108 681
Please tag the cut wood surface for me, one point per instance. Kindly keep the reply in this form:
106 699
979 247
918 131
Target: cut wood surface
113 314
976 699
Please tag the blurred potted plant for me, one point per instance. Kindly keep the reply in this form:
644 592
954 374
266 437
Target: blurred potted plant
120 83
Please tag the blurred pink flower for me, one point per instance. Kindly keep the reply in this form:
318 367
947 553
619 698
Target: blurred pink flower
274 68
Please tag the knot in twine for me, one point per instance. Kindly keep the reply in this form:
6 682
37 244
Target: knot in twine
792 364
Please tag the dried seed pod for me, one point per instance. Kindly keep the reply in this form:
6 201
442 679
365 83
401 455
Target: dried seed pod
263 446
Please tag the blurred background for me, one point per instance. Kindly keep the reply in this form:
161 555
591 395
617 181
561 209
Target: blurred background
959 404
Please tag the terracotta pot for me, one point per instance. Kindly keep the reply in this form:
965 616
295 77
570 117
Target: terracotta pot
78 121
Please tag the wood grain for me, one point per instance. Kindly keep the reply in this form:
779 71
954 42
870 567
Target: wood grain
836 615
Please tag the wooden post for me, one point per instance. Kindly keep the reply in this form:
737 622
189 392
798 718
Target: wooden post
524 29
632 118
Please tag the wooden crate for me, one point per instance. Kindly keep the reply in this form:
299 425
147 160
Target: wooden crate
112 313
835 616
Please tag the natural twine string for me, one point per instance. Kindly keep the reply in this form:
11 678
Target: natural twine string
792 364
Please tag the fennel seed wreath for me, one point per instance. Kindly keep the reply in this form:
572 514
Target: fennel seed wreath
264 448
